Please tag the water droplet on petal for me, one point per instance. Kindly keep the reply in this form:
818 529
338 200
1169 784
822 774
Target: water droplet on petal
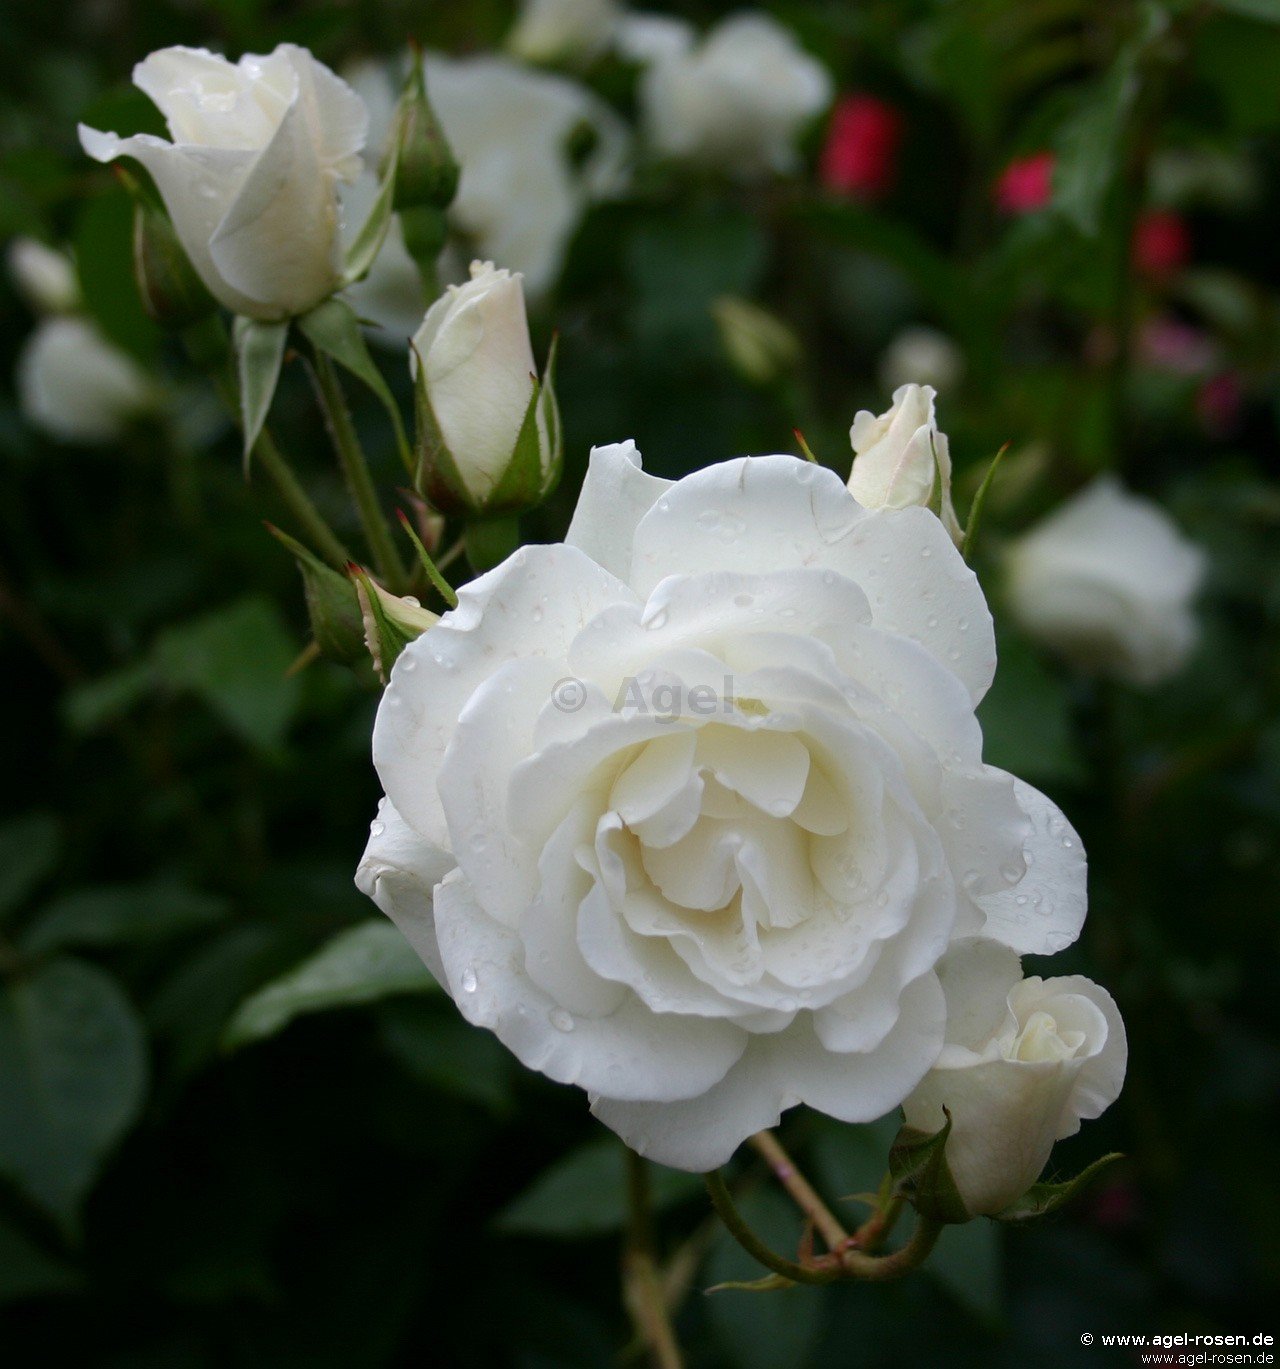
561 1020
469 981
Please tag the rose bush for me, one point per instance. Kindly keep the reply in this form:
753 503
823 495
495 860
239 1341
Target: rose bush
1107 581
706 919
1025 1061
251 177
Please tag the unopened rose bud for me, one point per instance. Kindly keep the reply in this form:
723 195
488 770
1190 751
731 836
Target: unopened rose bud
172 293
488 429
391 621
44 277
333 606
899 454
923 356
1025 1061
760 346
426 169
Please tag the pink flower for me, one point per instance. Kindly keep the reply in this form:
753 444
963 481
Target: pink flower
1161 243
1026 184
1168 344
860 155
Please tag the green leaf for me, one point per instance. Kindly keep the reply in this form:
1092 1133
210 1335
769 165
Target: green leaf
123 913
259 348
367 243
362 964
28 851
236 660
73 1073
918 1165
333 328
759 1328
91 706
443 1051
26 1271
966 1262
585 1194
1091 144
1041 1199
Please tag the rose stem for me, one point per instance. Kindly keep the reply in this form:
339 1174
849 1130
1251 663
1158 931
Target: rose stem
351 457
800 1189
643 1289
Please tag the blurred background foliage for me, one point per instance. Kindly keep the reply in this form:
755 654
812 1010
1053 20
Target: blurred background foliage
227 1138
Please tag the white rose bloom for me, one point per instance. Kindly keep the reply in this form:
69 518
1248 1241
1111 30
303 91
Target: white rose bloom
738 100
644 38
563 30
76 386
708 913
251 177
898 453
923 356
1025 1061
44 277
1107 581
478 361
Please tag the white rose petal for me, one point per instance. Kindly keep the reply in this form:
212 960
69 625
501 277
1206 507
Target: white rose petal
738 100
251 176
76 386
1108 581
707 915
1025 1061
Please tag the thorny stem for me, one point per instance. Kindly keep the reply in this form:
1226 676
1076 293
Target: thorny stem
207 345
356 469
645 1295
844 1265
800 1189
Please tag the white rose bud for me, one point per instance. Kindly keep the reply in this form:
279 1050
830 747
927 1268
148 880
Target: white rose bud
251 176
1025 1061
488 428
738 101
899 454
75 386
1107 581
44 277
563 30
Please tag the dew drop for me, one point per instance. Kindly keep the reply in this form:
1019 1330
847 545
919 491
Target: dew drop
561 1020
925 553
376 829
659 620
469 981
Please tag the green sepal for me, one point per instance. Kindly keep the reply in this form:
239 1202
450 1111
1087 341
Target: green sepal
1041 1199
333 606
771 1283
441 585
918 1166
259 348
528 478
367 243
980 503
333 328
